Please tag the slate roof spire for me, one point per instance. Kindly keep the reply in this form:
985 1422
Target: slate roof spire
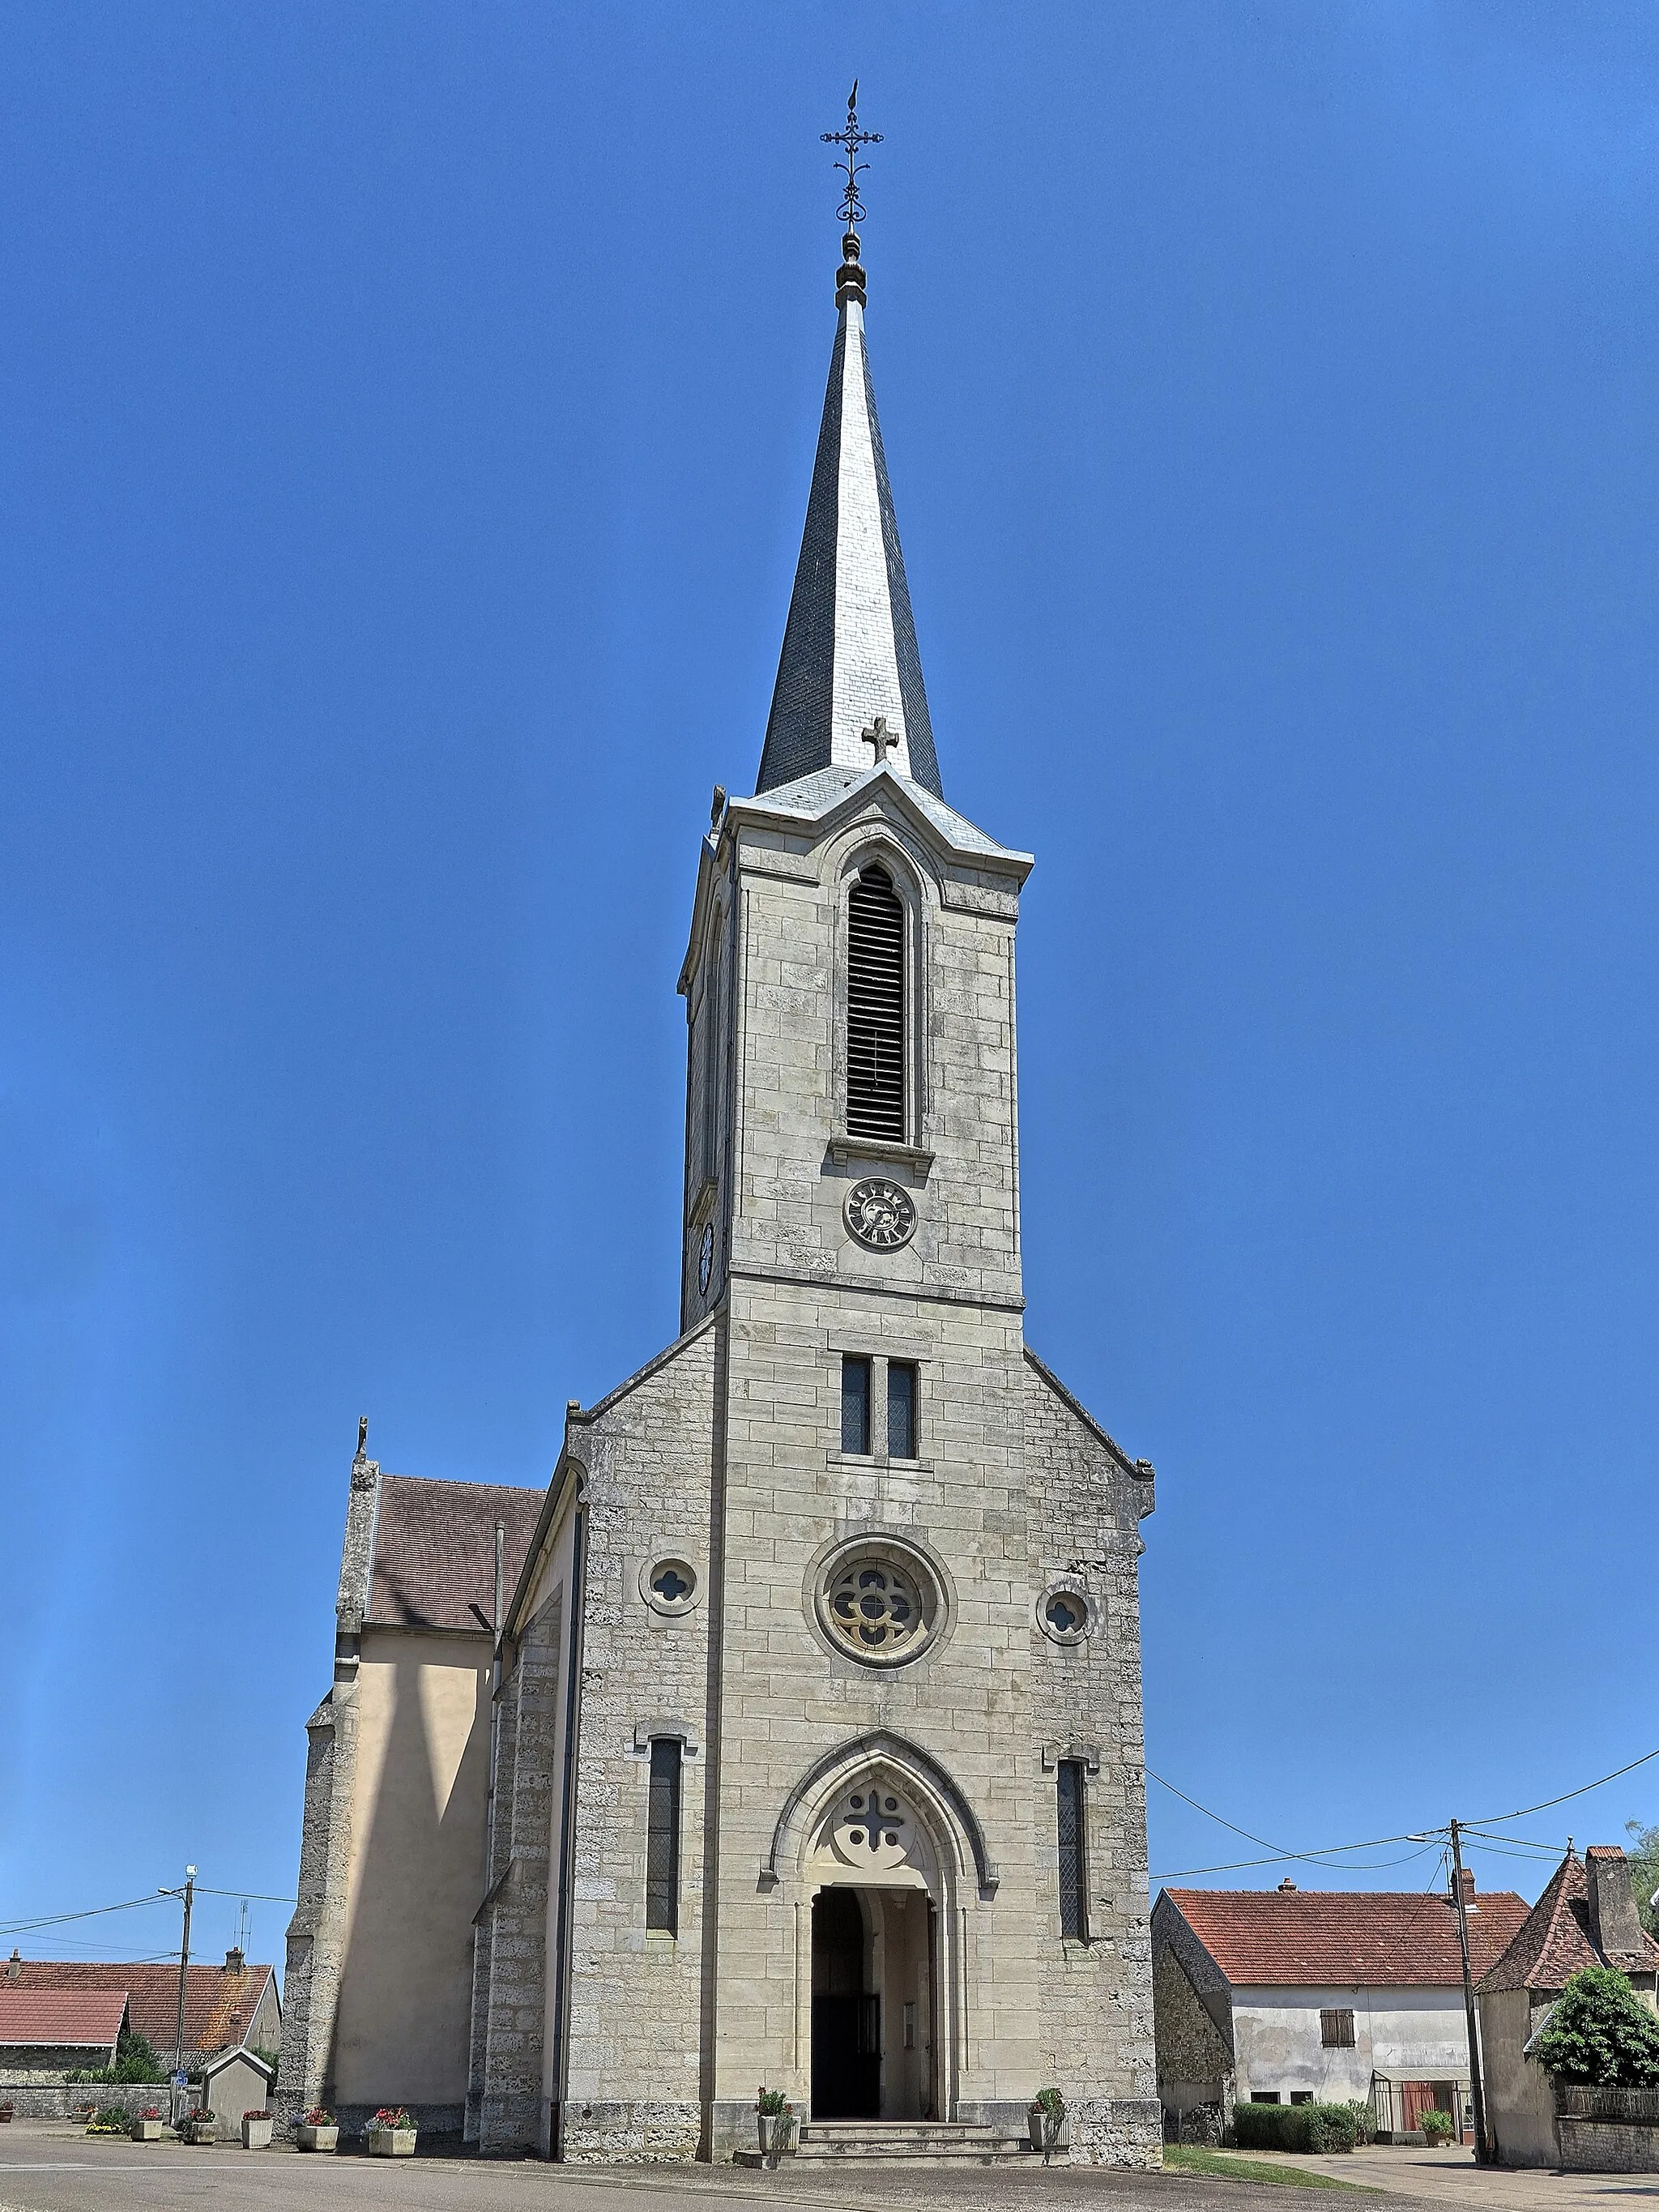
849 647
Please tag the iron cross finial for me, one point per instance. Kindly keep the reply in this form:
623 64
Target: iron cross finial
851 137
879 735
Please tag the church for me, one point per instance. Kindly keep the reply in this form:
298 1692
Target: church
791 1735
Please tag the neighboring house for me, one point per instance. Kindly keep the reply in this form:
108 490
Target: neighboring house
234 2003
1586 1917
45 2034
1290 1995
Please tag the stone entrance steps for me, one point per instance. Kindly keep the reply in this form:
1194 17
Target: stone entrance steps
936 2142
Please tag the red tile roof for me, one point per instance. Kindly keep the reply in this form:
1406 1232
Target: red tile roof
435 1550
1338 1938
220 2002
1555 1940
65 2020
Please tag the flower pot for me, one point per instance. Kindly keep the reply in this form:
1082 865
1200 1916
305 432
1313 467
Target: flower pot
201 2131
256 2135
768 2124
390 2142
307 2138
147 2131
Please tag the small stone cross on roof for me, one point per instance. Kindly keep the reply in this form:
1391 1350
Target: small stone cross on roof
880 736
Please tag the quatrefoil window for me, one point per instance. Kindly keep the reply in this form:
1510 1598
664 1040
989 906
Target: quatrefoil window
670 1586
1066 1612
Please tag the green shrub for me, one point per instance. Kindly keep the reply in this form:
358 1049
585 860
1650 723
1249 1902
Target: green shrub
135 2060
1601 2032
1312 2128
111 2120
1436 2125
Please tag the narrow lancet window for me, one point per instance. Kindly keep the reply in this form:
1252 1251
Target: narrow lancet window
854 1405
1073 1870
662 1847
875 1009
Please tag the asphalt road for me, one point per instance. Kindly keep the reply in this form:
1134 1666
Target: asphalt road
59 2172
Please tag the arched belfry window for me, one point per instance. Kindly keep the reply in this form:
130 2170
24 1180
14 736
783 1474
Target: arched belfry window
875 1008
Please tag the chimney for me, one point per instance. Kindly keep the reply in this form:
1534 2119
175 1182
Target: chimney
1466 1884
234 1959
1614 1929
13 1966
1286 1886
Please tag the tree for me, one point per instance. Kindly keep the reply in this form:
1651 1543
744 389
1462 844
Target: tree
1601 2032
136 2059
1643 1853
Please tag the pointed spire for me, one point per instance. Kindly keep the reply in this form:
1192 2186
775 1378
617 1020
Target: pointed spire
849 647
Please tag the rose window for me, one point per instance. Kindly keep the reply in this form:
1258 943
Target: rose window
876 1607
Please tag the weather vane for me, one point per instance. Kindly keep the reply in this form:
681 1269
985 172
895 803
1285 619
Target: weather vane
852 207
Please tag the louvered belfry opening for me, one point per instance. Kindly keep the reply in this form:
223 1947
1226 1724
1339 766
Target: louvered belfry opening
875 1009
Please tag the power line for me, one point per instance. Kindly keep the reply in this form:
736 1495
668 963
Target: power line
1279 1858
1489 1819
92 1913
1315 1856
160 1897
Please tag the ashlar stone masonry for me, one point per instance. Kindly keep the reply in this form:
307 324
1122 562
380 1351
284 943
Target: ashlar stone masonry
804 1746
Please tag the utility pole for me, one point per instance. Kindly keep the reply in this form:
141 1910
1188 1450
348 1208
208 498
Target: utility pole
1482 2148
184 1963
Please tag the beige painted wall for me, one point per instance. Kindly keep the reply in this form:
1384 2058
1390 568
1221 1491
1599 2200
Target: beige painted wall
417 1871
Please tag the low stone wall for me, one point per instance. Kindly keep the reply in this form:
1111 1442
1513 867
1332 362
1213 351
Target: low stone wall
61 2100
1126 2132
1607 2146
648 2132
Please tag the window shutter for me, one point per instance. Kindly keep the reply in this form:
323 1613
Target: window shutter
875 1009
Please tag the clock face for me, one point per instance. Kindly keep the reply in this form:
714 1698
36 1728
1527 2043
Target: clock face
880 1213
706 1256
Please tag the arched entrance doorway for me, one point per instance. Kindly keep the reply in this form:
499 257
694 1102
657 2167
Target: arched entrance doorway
874 1960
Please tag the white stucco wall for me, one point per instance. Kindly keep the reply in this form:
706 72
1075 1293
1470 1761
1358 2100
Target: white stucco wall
1419 2032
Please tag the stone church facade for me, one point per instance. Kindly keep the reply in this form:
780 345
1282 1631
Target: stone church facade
793 1734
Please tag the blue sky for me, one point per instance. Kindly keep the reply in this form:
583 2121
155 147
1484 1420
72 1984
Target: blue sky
409 417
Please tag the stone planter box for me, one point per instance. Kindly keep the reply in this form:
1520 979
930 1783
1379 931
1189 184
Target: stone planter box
1048 2135
390 2143
147 2131
256 2135
201 2131
307 2138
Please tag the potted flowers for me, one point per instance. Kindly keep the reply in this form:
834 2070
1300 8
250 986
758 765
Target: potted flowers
390 2133
1437 2126
201 2126
316 2131
147 2124
773 2120
1047 2117
256 2129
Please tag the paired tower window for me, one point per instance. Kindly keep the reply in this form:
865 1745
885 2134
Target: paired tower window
857 1399
855 1405
901 1410
662 1847
875 1009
